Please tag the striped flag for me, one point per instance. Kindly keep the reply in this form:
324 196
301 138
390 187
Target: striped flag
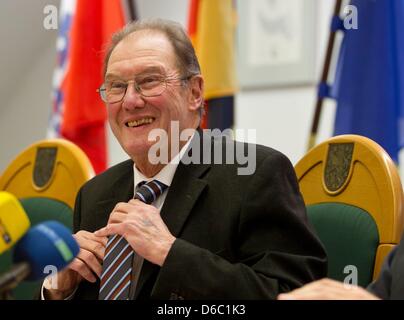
78 114
211 26
62 45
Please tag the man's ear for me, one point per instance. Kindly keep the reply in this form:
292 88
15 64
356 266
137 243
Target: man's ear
196 85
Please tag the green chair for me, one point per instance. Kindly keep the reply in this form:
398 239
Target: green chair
354 200
45 178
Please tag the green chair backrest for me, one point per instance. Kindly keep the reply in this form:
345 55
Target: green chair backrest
350 237
355 171
38 210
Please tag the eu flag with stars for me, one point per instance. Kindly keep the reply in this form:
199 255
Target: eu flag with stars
369 83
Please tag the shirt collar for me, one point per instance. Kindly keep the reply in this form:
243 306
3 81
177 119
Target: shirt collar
166 174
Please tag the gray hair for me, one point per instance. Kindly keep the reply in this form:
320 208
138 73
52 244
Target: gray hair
187 62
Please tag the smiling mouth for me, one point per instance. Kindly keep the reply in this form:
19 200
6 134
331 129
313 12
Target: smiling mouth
140 122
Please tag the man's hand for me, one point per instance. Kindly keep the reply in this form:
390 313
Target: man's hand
86 265
141 225
327 289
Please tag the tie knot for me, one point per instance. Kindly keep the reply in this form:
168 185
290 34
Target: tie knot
150 191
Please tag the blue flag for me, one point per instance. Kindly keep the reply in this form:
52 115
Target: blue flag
369 85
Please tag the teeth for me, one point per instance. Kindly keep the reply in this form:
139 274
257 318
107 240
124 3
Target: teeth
139 122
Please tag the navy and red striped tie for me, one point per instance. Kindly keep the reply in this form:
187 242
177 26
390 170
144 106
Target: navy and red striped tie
117 266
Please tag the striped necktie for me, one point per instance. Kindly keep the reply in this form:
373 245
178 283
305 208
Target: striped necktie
117 265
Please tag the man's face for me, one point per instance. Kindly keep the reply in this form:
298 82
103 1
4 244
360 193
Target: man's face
131 119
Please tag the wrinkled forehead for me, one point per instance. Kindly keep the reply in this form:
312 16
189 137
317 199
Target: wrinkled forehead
143 49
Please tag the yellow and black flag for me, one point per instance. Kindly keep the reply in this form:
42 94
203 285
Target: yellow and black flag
212 27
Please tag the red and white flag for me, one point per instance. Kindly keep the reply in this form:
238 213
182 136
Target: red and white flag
78 114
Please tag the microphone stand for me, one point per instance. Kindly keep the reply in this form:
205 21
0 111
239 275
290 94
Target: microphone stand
11 279
6 295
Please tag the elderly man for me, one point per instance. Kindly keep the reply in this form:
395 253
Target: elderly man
182 229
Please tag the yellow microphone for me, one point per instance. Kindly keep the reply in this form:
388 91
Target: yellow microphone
14 222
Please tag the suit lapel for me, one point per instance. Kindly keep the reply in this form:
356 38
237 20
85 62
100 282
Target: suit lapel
183 193
185 189
122 191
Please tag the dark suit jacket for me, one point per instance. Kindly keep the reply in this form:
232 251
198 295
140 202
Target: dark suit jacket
238 237
390 283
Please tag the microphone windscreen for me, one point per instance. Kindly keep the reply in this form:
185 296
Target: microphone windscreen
46 246
14 222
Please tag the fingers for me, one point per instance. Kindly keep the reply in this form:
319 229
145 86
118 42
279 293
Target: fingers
123 210
117 217
139 204
110 229
82 269
132 210
327 289
124 207
83 235
96 248
321 289
92 249
136 202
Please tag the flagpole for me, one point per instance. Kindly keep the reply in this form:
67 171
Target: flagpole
132 10
324 78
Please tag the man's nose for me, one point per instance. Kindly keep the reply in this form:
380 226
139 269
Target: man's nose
132 98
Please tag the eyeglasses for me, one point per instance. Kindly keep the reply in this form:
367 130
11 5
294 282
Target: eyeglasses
147 85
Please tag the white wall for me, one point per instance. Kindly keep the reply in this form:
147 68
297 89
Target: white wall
24 113
282 116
